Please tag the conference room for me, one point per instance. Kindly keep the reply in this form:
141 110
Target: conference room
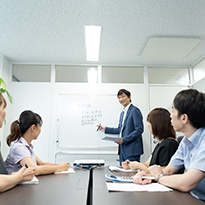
154 49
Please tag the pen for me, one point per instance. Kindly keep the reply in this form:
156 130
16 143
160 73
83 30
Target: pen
145 177
122 161
98 127
25 165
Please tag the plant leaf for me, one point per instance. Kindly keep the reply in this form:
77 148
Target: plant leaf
2 91
9 96
4 87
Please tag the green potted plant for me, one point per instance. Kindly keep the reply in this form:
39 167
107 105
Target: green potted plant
3 89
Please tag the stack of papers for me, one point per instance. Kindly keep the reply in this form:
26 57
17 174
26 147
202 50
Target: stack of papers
33 181
131 187
119 169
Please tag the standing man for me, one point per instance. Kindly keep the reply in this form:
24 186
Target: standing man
130 129
188 117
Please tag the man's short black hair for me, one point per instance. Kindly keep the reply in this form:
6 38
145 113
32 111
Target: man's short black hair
126 92
192 103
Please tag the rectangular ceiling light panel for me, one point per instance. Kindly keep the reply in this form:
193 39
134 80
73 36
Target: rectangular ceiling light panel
92 40
169 48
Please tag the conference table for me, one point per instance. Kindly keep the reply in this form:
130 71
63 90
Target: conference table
73 189
53 189
102 197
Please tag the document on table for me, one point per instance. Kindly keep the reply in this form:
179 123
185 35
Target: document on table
69 171
114 139
131 187
33 181
120 169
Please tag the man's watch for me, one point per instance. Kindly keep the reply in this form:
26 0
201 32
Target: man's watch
159 176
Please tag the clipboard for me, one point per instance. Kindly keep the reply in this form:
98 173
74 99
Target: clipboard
113 139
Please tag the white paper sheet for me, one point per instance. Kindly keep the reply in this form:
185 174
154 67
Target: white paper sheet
33 181
118 169
69 171
131 187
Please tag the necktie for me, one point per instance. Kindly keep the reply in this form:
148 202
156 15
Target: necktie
123 118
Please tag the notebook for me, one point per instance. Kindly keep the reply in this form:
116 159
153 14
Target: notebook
33 181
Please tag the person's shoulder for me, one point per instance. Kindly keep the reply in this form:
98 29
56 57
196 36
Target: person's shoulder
134 108
200 137
169 141
202 140
17 145
203 132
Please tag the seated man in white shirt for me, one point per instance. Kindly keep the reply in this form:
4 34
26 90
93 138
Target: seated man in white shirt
188 117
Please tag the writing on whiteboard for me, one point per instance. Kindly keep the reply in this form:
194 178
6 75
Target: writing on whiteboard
88 115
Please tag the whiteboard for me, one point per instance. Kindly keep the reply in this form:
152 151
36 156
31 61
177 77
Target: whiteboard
78 116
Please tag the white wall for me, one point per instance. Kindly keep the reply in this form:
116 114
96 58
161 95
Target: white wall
199 71
163 96
199 76
38 98
43 98
1 57
200 85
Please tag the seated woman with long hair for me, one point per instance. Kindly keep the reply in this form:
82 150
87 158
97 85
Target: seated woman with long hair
23 132
160 127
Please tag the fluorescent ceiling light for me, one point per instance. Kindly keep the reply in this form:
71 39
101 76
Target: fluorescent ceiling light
92 41
92 75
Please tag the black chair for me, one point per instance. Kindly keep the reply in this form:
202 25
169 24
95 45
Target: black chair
179 139
2 167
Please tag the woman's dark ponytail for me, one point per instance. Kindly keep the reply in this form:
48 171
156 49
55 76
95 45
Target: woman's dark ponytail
15 132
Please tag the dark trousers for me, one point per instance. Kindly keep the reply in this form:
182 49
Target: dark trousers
131 158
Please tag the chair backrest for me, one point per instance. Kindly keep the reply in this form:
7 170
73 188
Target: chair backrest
179 139
2 167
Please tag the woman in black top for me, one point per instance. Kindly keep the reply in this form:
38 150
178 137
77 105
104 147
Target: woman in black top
159 125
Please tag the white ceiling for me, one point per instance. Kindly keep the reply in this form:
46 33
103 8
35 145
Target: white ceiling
52 31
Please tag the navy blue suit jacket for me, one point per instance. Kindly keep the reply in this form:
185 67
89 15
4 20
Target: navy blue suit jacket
131 132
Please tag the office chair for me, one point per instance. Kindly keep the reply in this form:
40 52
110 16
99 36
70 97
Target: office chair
2 167
179 139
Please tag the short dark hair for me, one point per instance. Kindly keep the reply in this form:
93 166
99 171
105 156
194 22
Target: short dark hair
126 92
160 120
192 103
